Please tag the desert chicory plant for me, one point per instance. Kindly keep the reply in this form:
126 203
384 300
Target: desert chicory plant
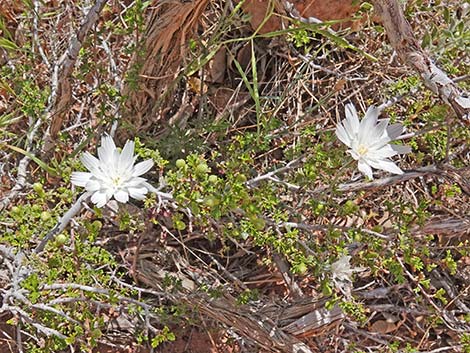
342 272
341 269
113 174
369 140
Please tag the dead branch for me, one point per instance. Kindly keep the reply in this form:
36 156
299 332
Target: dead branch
21 181
169 26
262 330
447 172
289 280
449 226
402 39
61 95
274 328
63 221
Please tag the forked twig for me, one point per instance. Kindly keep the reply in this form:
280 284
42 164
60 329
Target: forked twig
403 40
63 221
61 94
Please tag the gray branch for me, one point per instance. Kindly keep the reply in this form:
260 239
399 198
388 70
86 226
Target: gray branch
66 218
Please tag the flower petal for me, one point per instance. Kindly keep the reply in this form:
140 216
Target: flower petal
107 149
113 174
135 182
394 130
126 159
369 140
93 185
149 187
142 167
354 154
138 193
401 149
375 134
351 123
121 196
365 169
341 269
368 125
80 178
379 142
343 135
99 199
386 165
381 153
90 162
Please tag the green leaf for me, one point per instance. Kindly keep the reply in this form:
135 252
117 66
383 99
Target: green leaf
8 44
8 119
35 159
198 64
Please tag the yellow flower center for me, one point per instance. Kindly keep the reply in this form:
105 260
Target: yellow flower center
362 150
117 181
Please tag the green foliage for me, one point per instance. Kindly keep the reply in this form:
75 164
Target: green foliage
449 41
165 335
441 295
355 310
395 269
450 263
300 38
465 341
247 296
405 85
220 207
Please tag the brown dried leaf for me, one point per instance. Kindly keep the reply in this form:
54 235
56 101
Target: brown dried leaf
258 10
327 10
217 66
383 326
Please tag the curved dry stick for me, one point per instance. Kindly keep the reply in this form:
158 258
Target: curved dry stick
61 95
455 175
402 39
63 221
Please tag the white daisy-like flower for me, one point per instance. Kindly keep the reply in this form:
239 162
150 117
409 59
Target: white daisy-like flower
369 140
342 272
341 269
113 174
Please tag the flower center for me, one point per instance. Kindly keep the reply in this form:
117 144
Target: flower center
117 181
362 150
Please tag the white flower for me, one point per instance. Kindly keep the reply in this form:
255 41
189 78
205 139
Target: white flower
342 272
369 140
341 269
113 174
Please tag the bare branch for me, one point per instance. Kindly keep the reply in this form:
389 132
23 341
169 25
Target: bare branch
61 95
269 176
403 40
444 171
66 218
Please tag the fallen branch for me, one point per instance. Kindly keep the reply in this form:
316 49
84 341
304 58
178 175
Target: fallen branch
455 175
61 95
19 185
22 166
449 226
402 39
63 221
